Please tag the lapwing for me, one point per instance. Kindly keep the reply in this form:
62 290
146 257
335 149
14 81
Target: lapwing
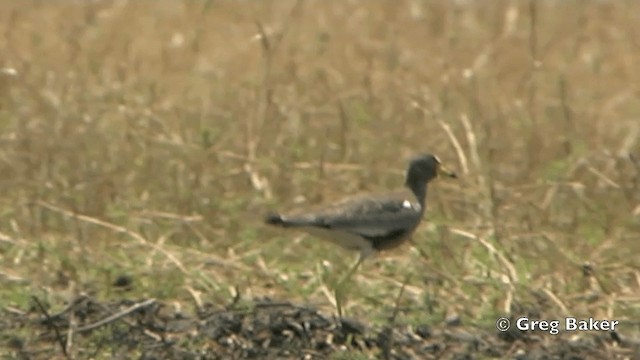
371 223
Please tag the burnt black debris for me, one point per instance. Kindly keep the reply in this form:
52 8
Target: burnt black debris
267 329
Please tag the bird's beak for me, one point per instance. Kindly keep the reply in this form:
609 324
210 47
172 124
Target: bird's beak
444 171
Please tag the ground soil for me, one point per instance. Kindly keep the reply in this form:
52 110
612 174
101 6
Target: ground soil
267 329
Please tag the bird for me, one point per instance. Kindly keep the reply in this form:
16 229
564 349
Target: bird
374 222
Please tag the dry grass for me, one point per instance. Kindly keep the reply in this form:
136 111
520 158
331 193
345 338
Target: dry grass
147 138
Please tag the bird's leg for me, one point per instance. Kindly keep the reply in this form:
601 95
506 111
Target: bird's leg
352 270
340 288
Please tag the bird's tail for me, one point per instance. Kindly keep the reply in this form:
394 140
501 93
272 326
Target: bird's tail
289 221
275 219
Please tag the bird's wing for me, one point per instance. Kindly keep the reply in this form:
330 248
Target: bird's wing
367 216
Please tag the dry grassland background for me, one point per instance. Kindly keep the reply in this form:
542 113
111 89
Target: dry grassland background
142 142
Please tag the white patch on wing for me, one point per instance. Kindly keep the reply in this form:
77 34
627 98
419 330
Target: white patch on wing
409 205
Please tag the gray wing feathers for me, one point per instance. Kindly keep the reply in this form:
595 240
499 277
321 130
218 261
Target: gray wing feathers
368 217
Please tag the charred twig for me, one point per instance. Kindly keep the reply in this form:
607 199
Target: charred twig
71 305
117 316
50 322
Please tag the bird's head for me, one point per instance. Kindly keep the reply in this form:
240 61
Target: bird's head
426 167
